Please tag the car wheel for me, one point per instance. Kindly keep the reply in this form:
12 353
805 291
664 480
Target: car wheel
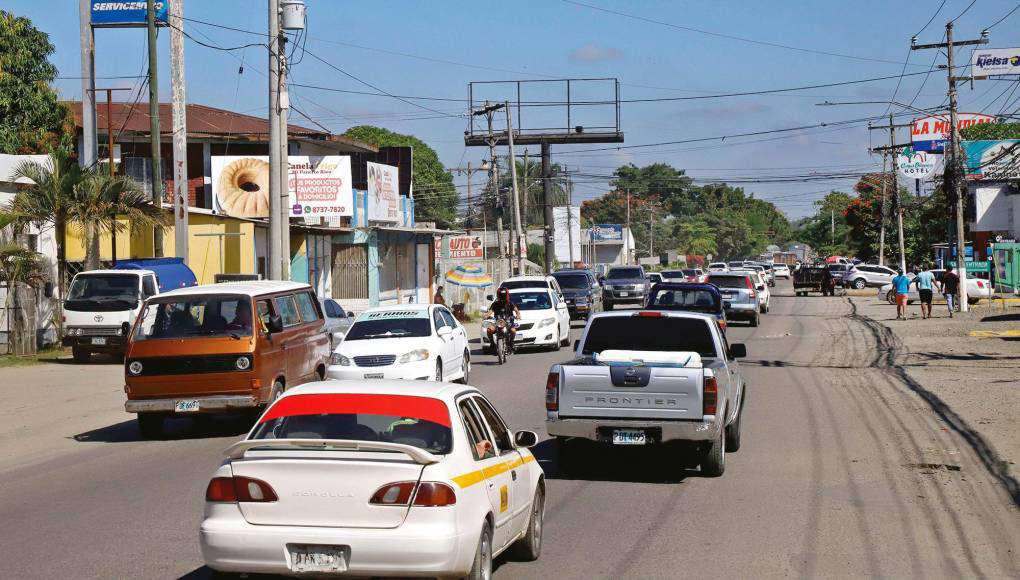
608 306
754 319
890 297
713 463
733 430
80 355
859 284
150 425
481 568
557 343
465 366
439 371
529 548
566 339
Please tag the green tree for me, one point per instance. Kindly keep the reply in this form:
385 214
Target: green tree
695 237
22 271
435 197
991 132
33 121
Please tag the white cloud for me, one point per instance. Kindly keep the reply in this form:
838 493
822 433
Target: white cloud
592 52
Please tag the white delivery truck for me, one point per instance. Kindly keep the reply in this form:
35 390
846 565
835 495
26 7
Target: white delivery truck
102 305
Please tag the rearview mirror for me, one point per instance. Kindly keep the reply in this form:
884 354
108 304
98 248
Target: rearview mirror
738 350
525 438
274 324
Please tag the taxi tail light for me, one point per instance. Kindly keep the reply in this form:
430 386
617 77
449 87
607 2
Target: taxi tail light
235 489
398 493
434 494
710 396
552 392
426 494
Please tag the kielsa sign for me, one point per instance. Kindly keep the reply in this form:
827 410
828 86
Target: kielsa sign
127 14
607 233
995 61
930 133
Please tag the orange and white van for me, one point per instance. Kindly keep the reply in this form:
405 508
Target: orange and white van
222 347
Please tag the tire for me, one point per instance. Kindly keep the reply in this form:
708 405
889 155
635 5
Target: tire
320 373
733 430
557 342
566 340
890 297
754 320
608 307
500 350
150 425
713 462
439 371
465 366
481 568
80 355
529 548
859 284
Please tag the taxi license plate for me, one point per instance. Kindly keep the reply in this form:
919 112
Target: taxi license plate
186 406
374 375
629 437
624 293
99 340
318 559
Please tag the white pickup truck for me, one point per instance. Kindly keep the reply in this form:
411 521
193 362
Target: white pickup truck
649 378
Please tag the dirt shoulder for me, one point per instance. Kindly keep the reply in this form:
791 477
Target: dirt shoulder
973 383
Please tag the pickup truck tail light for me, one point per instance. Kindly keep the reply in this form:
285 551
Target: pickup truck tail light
552 392
710 396
235 489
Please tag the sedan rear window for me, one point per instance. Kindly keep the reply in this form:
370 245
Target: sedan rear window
686 299
421 422
649 333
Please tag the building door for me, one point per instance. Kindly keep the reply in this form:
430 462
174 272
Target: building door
423 278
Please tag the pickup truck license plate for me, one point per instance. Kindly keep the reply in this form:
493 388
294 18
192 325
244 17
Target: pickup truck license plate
629 437
373 375
317 559
624 293
186 406
99 340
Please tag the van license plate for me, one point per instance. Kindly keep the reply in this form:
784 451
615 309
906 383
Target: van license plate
374 375
629 437
318 559
186 406
99 340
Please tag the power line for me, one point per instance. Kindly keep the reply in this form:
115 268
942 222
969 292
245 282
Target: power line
1007 15
972 2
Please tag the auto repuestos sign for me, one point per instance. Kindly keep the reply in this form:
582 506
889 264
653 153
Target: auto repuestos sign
127 14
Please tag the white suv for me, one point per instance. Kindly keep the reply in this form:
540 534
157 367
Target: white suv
864 275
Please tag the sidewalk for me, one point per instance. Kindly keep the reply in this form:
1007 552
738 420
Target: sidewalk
977 377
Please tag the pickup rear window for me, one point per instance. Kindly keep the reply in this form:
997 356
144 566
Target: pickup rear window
649 333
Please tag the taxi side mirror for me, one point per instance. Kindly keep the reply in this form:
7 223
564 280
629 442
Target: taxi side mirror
525 438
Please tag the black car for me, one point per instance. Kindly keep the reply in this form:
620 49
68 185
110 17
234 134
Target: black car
688 297
624 285
581 290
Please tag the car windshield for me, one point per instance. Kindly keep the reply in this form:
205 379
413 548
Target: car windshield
377 325
531 300
649 333
514 284
736 264
673 274
690 272
625 273
572 280
196 316
685 299
102 292
421 422
728 281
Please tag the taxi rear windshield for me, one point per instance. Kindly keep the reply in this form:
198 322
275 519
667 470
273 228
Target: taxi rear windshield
649 333
421 422
196 316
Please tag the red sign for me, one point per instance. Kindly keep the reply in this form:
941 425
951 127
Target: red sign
465 247
936 128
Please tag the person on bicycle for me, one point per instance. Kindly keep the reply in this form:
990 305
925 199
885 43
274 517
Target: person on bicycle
504 308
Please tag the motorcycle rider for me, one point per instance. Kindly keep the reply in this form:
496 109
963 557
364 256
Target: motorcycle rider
503 308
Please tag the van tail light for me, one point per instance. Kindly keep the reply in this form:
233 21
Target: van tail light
552 392
750 286
235 489
710 396
425 494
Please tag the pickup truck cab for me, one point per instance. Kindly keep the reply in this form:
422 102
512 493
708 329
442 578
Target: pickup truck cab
649 378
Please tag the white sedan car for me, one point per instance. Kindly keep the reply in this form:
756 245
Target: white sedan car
544 322
977 288
409 341
390 478
782 271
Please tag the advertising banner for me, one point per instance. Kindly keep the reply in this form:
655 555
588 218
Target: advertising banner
607 233
930 133
465 247
995 61
127 14
992 160
383 195
567 233
917 164
318 186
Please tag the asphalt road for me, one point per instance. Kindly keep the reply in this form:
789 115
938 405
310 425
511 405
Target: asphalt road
843 472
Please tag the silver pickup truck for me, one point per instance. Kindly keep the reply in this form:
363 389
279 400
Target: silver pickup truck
649 378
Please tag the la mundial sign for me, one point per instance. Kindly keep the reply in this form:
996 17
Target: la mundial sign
127 14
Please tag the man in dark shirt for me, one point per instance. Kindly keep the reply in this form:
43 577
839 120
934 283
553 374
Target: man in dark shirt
504 308
950 286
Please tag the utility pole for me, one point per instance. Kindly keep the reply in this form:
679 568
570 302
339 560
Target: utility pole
275 246
154 141
953 171
90 147
626 258
110 164
513 181
527 190
896 197
832 226
180 123
651 231
570 220
881 217
547 210
284 100
488 110
467 210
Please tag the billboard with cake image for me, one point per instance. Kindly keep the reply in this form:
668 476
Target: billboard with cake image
318 186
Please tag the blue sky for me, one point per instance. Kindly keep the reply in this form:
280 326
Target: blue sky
435 48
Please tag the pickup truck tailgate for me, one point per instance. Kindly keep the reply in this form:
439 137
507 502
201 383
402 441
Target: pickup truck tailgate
633 392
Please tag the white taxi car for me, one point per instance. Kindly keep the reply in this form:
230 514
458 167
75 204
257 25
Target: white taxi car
544 322
408 341
387 478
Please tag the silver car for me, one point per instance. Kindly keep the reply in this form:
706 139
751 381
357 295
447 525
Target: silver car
865 275
741 300
337 320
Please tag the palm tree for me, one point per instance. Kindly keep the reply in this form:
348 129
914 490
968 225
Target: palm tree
101 198
50 200
20 268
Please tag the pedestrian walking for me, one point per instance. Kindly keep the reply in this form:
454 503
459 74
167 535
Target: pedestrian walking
950 286
925 282
438 298
901 285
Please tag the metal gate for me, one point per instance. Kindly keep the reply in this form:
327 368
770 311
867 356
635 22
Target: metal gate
350 271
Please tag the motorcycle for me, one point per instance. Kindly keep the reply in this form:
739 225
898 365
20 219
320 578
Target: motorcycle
501 339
